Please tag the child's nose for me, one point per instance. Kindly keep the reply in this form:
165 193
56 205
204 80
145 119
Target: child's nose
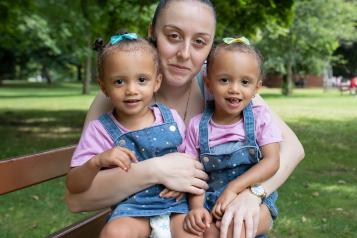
131 88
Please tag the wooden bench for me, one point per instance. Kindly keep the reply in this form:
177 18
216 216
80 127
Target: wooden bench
25 171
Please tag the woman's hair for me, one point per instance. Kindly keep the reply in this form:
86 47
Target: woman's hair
236 46
105 49
163 3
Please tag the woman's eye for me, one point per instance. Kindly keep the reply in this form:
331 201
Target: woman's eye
200 42
174 36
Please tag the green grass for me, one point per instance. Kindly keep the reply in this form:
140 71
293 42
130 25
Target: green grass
318 200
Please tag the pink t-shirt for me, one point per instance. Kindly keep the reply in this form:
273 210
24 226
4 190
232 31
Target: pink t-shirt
266 131
95 139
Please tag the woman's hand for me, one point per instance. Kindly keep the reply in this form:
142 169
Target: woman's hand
243 210
180 172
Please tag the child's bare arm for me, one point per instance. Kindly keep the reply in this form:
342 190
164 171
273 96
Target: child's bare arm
80 178
261 171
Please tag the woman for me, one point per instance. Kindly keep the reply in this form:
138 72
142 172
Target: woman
184 38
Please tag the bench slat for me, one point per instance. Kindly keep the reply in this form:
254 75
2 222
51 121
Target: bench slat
90 227
33 169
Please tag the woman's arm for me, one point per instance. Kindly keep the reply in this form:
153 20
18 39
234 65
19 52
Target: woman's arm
291 153
177 171
100 105
246 205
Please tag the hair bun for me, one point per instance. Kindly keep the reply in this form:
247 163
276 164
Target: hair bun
98 44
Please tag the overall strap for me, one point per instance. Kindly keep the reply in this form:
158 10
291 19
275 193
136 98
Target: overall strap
203 127
110 126
165 112
249 126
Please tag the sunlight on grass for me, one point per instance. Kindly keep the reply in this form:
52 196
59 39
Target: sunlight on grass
318 200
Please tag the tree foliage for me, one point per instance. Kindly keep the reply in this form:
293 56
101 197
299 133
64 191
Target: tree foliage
307 45
47 36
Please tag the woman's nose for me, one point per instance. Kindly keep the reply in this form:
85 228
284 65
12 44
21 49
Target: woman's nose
184 51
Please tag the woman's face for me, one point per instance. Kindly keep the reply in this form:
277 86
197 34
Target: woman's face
184 34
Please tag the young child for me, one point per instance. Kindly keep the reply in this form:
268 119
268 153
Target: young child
128 70
236 141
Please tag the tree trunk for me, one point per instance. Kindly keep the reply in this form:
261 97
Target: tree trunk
79 72
45 74
88 76
287 89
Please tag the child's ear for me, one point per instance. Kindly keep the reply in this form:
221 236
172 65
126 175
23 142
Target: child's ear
101 85
258 86
158 81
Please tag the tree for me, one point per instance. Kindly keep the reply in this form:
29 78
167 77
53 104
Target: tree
307 45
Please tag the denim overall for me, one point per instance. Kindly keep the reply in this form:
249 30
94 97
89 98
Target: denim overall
223 163
147 143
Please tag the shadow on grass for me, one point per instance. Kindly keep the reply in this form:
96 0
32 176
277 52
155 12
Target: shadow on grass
29 131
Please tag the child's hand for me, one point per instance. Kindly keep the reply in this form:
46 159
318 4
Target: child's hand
222 202
197 221
168 193
119 156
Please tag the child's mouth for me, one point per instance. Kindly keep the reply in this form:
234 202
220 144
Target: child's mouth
233 100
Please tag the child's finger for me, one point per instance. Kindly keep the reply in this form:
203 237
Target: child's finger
180 197
199 222
131 154
194 227
218 210
164 192
207 219
121 165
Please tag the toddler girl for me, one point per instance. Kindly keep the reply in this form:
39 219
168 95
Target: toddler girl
133 131
235 140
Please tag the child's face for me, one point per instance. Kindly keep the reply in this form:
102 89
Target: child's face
130 79
234 79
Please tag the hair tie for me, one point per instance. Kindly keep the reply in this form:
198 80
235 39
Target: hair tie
127 36
98 44
230 40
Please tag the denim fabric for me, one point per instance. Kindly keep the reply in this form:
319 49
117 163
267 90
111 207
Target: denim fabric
147 143
227 161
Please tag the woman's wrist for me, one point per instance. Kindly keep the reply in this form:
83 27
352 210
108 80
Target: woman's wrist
252 196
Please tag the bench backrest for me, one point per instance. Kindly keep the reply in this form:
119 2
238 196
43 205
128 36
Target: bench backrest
24 171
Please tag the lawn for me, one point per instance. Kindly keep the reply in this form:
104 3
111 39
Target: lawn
319 199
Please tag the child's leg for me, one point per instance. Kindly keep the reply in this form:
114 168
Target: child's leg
265 222
127 227
176 226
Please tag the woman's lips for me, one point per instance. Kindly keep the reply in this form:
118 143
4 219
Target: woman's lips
179 69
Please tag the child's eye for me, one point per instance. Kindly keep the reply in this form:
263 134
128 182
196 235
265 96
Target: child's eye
142 80
223 80
245 82
119 82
